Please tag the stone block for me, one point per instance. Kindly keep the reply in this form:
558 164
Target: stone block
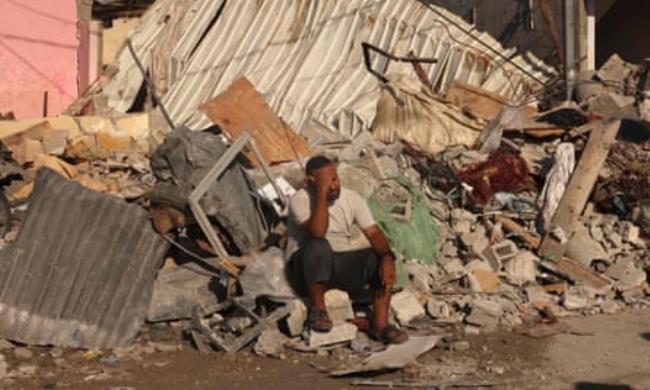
406 307
481 277
297 317
438 309
454 269
538 297
475 242
522 268
339 306
576 298
270 343
488 307
497 254
340 333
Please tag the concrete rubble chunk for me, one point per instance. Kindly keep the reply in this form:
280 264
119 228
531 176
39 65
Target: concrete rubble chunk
395 356
340 333
576 298
584 249
614 69
500 252
339 305
626 274
270 343
454 269
419 275
297 317
522 268
438 309
475 242
406 307
3 366
488 307
538 297
632 234
610 307
481 277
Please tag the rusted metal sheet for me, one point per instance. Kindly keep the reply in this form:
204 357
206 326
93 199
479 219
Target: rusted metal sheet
81 271
242 109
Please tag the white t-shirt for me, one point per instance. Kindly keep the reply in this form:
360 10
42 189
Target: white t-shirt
349 215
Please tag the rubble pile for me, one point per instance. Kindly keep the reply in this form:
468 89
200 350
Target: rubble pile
500 217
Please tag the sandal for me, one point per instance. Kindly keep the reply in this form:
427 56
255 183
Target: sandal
390 335
319 321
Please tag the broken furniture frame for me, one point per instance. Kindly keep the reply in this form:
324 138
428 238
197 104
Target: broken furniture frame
199 330
367 48
219 167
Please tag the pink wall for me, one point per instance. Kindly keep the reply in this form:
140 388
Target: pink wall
38 53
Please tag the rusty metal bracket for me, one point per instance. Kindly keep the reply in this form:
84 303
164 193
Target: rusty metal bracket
368 48
210 178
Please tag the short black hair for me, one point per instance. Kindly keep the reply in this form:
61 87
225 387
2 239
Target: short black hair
317 162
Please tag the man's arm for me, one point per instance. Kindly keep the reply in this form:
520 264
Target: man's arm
378 241
380 245
319 221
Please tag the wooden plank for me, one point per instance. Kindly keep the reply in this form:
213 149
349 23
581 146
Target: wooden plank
577 192
242 109
576 273
513 227
482 103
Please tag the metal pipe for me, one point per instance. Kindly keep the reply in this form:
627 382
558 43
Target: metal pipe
569 45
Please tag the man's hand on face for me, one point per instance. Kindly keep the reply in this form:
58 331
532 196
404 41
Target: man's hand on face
387 271
322 180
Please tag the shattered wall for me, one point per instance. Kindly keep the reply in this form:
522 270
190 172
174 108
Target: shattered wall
305 57
38 53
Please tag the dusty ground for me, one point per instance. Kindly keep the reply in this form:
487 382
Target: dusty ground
599 352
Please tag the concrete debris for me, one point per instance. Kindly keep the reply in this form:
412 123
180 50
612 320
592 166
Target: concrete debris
500 253
439 310
340 333
481 277
395 356
270 343
339 306
454 184
522 268
406 307
297 317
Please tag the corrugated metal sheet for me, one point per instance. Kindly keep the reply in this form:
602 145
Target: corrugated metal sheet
81 271
305 57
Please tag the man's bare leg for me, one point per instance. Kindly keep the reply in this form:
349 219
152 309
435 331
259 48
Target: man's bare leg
317 295
380 308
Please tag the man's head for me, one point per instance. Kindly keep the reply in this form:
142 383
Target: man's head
321 174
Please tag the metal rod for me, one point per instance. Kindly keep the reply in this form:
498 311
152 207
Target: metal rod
150 85
367 48
478 40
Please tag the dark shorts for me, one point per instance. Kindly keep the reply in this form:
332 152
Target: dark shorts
352 271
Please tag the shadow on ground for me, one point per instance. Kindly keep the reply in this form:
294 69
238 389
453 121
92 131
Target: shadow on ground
646 336
600 386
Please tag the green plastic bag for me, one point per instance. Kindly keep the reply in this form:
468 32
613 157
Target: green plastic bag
401 212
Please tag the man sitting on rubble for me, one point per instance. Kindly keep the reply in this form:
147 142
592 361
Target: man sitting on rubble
328 249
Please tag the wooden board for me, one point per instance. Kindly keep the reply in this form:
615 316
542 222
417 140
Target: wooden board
577 192
482 103
241 108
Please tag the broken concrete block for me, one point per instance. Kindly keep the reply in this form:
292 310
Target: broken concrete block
615 239
459 346
454 269
522 268
406 307
632 235
584 249
419 276
270 343
488 307
297 317
475 242
438 309
484 321
340 333
497 254
481 277
614 69
55 144
339 306
538 297
610 307
626 274
576 298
